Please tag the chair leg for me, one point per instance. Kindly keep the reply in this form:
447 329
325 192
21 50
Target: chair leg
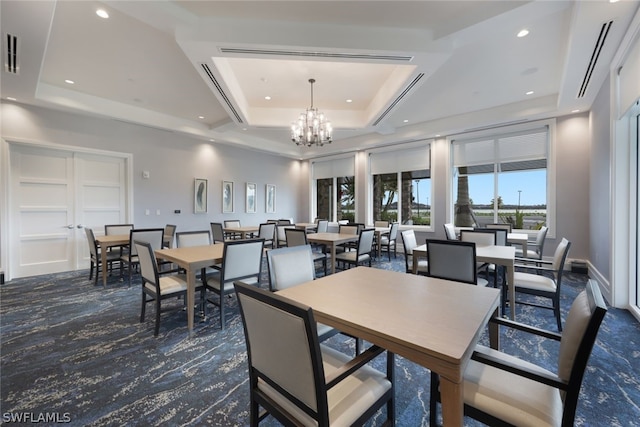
391 376
91 271
143 309
222 322
157 328
556 311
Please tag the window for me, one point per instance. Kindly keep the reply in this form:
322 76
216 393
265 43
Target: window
501 179
335 189
401 185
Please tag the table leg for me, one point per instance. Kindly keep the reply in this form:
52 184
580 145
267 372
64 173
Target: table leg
452 402
103 260
494 332
191 286
333 257
512 290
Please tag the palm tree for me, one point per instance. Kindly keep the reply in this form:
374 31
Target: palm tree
463 211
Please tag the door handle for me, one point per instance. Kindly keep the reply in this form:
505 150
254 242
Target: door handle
70 226
79 226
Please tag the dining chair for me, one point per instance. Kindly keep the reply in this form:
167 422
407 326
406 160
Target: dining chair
299 381
450 231
217 233
502 225
547 284
285 221
500 389
232 223
267 231
453 260
241 260
153 236
481 237
95 256
292 266
281 236
197 238
156 288
502 239
169 233
323 226
537 245
409 243
362 253
381 224
297 237
118 229
350 228
388 240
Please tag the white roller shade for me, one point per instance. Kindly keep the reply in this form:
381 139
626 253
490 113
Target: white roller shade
334 168
629 79
522 146
400 160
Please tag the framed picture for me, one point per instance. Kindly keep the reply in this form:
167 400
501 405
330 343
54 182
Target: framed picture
270 198
227 196
251 197
200 196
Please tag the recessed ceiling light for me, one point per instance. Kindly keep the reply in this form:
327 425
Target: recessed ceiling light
575 111
405 121
529 93
523 33
437 134
268 98
201 117
102 13
212 140
69 81
11 98
349 100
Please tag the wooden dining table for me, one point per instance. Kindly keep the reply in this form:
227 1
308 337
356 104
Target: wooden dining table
245 231
492 254
331 240
192 259
432 322
106 242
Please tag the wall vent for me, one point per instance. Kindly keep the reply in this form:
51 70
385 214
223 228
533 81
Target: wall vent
302 53
11 55
398 99
222 93
604 31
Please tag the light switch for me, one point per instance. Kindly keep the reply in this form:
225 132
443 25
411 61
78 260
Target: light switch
146 212
158 212
145 175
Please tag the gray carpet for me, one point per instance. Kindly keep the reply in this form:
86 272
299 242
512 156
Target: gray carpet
74 351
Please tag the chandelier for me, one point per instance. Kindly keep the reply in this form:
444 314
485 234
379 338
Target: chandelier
312 127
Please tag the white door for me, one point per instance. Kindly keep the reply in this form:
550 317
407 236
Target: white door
54 194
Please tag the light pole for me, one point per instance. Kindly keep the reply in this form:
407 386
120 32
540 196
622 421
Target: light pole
418 196
519 191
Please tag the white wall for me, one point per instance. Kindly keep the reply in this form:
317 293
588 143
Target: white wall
173 161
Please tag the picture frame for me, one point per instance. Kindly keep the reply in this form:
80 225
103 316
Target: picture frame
251 197
227 197
200 192
270 198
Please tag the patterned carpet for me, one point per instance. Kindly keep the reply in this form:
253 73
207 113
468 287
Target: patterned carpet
72 351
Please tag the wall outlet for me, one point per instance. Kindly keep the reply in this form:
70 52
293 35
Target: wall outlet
177 211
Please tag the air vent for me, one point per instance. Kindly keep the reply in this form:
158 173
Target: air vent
301 53
11 55
604 31
398 99
222 93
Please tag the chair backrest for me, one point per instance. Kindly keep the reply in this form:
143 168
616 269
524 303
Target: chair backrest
280 232
408 238
284 221
193 238
501 235
452 260
148 264
232 223
559 258
381 223
578 337
272 221
504 226
365 241
242 259
290 266
169 230
480 236
540 239
323 226
295 237
450 231
267 231
91 239
393 231
348 229
153 236
217 232
115 229
291 362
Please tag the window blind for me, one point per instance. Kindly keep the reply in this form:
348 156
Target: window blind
400 160
334 168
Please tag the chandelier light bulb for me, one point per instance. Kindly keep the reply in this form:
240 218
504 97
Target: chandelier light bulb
312 128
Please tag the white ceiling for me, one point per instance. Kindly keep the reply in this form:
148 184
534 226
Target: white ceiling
413 69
